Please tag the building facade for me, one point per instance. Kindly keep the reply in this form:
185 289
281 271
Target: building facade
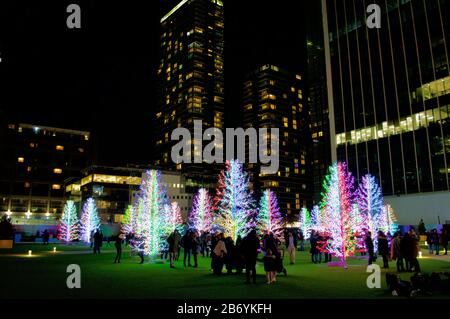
35 162
273 98
317 98
390 92
191 81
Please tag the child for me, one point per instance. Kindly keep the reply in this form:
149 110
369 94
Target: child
269 266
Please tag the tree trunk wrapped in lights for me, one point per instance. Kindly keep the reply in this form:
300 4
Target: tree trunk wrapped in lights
234 207
68 227
269 219
201 216
338 221
89 221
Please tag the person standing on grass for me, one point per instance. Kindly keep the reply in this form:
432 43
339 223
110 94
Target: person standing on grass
195 246
414 250
405 251
270 266
430 242
396 253
369 246
97 241
383 248
292 247
186 243
250 248
174 241
218 255
301 239
436 240
45 237
118 245
444 240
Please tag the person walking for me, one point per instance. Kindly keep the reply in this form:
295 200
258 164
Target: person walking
250 248
292 247
118 245
173 240
383 248
370 248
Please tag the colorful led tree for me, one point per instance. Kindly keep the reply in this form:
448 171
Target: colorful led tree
89 221
337 200
370 203
392 219
201 216
234 203
305 223
172 218
150 214
269 219
68 227
130 220
316 221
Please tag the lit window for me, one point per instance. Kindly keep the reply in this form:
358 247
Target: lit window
59 148
27 185
81 150
32 145
56 186
20 160
298 77
57 170
29 169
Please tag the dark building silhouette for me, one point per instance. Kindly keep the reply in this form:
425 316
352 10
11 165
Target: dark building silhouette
35 162
273 98
191 81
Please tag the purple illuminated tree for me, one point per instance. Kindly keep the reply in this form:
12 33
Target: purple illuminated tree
269 219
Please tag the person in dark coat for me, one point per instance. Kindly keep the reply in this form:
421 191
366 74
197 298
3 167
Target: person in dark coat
370 248
435 239
45 237
195 247
396 253
383 249
218 255
250 249
229 259
405 250
239 261
413 250
444 240
186 243
118 245
98 238
174 241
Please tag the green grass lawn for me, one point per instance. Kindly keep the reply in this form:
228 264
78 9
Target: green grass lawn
44 276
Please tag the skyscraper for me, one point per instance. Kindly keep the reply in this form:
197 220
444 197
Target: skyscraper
191 80
317 97
273 98
389 92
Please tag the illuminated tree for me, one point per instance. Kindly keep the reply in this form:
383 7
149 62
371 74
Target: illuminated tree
201 216
316 220
234 203
172 218
269 219
370 203
337 197
130 220
305 223
150 214
68 227
392 219
89 221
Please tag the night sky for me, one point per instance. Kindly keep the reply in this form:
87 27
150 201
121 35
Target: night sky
101 77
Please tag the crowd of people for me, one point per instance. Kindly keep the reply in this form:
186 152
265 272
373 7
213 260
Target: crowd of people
234 257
